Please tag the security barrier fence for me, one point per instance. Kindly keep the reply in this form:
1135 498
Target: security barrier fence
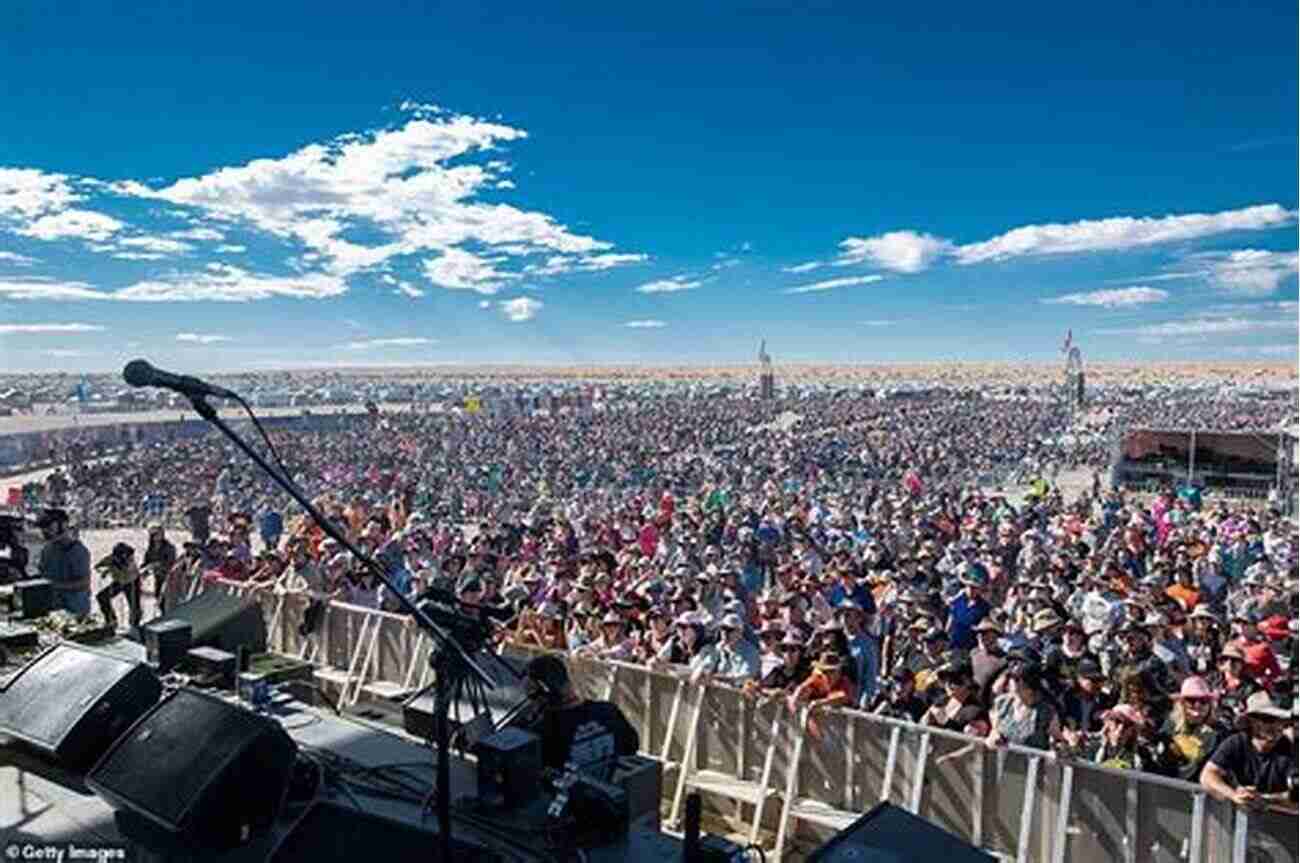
793 779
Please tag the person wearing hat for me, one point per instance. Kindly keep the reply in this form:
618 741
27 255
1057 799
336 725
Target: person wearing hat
898 699
969 607
124 579
65 562
733 660
1084 703
1230 681
987 659
613 642
159 558
1192 729
1252 768
1121 744
827 686
1202 638
959 707
793 670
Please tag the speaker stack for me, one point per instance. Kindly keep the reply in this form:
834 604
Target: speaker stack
72 702
888 834
198 770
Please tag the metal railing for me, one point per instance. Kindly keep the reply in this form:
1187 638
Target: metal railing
798 776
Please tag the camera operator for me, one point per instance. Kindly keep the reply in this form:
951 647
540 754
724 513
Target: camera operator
120 567
65 562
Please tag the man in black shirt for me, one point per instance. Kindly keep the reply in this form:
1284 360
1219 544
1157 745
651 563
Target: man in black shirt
1252 768
567 714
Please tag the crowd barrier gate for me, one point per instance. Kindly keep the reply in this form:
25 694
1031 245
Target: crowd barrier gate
781 771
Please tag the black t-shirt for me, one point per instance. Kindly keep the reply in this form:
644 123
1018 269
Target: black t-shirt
1266 772
559 726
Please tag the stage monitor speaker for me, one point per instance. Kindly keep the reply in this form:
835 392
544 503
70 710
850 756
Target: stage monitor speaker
221 620
201 769
888 834
72 702
330 832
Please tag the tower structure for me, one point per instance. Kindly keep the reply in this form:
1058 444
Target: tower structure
766 380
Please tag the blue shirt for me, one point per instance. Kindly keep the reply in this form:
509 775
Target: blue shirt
271 524
965 613
859 594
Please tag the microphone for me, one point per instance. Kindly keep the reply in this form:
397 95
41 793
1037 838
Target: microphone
139 373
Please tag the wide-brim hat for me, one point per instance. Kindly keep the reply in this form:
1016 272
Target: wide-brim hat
1046 619
987 625
1232 651
1261 704
829 661
731 621
1194 688
611 618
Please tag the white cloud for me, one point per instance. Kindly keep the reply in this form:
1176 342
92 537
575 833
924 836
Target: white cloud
1200 327
610 260
1252 272
399 184
829 284
42 289
73 224
375 344
407 289
900 251
520 309
27 193
227 284
15 258
912 252
1159 277
461 270
232 248
485 304
668 286
28 329
645 325
63 353
804 268
159 245
725 264
138 256
202 338
209 234
878 323
1117 298
1121 233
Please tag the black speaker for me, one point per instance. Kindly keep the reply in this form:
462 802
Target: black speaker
71 702
888 834
221 620
201 768
330 831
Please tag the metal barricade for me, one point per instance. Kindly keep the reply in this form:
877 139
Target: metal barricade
1021 804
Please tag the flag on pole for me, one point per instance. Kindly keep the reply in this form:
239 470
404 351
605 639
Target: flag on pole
1069 340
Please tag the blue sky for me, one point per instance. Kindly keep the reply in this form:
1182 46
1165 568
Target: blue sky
238 186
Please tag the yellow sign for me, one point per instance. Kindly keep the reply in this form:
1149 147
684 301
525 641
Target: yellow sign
473 405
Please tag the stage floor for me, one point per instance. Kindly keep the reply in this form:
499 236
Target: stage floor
43 805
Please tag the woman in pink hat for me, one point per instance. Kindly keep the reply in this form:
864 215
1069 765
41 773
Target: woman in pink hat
1192 728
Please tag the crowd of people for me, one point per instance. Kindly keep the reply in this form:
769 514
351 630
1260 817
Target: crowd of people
852 559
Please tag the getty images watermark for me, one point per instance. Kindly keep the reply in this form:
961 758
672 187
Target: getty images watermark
64 852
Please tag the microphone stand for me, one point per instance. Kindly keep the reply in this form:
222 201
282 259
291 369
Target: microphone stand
450 661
